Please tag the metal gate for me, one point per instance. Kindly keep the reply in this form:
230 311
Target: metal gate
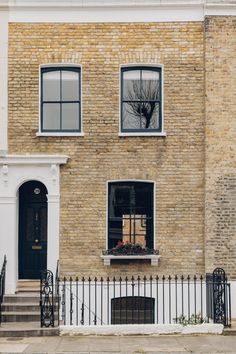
218 297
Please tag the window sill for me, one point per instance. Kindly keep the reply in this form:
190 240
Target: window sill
59 134
163 134
152 257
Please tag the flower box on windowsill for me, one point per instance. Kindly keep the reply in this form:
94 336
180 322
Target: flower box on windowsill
122 253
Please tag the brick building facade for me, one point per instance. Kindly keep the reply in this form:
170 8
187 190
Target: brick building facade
189 161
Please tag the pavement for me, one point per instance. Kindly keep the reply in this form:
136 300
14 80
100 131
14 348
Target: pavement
175 344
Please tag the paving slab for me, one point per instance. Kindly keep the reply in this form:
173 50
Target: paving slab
47 345
12 348
151 344
175 344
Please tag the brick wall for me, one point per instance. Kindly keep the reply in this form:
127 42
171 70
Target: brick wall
220 203
175 162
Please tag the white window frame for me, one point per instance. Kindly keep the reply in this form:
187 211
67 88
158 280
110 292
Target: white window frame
55 65
162 133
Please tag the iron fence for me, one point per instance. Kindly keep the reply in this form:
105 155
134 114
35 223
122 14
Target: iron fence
2 285
159 300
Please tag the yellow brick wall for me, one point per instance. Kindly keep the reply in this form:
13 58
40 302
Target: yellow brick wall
220 205
175 162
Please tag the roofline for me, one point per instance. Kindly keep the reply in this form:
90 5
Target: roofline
114 3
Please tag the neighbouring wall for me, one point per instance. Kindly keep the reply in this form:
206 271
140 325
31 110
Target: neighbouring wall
220 201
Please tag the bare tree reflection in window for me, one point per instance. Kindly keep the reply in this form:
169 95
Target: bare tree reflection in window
147 105
141 99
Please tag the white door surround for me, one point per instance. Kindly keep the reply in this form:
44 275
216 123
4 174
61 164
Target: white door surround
14 171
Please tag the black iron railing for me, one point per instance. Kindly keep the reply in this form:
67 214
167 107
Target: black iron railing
57 297
2 285
109 301
47 299
136 300
218 297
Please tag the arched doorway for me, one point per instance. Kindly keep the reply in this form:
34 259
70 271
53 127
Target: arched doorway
32 229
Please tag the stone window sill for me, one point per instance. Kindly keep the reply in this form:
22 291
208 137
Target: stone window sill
124 134
152 257
59 134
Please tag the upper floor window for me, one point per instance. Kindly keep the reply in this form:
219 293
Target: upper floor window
61 99
141 99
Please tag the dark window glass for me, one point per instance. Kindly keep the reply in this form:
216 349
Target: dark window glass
141 99
60 99
132 310
130 213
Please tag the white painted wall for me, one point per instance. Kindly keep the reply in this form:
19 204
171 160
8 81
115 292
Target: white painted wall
233 297
3 79
14 171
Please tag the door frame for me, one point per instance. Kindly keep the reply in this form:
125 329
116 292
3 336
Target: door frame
16 170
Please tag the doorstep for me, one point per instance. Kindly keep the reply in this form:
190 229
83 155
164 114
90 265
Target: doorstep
26 329
230 331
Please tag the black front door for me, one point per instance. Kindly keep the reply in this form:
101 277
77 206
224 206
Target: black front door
32 230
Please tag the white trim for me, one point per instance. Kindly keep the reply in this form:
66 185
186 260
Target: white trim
60 134
100 3
152 257
154 204
106 11
113 14
3 81
33 159
142 134
14 171
154 65
220 9
55 65
8 200
53 198
81 11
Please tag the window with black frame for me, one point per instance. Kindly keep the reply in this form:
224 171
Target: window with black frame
141 99
130 214
61 99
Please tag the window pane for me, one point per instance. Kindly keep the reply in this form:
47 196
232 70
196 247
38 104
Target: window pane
131 85
150 115
134 228
70 86
51 86
131 115
51 116
70 116
148 119
150 85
